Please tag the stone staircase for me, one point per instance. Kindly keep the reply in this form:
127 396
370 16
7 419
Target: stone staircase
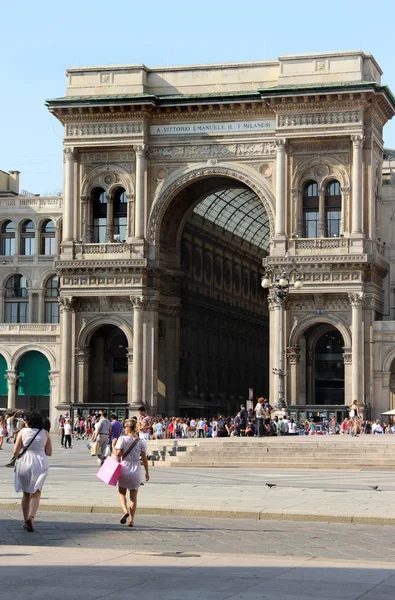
301 452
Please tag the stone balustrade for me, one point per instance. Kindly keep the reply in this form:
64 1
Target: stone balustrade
45 202
29 328
119 250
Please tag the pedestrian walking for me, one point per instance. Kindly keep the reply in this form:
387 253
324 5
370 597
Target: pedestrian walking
3 431
130 449
102 435
354 415
259 415
32 447
68 430
145 424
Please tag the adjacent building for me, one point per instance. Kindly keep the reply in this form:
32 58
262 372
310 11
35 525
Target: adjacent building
181 185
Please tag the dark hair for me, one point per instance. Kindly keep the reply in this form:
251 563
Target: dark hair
141 409
114 417
104 413
34 419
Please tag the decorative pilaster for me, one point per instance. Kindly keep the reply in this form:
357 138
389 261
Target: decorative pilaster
130 216
68 195
293 359
11 377
344 222
110 219
138 303
356 301
150 354
84 218
140 192
82 356
321 213
280 187
172 363
66 335
356 217
297 225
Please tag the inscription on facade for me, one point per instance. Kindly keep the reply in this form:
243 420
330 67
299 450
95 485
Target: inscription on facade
212 128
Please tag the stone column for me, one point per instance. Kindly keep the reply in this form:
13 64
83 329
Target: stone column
11 377
2 312
31 317
297 226
310 378
274 325
150 354
356 301
57 238
344 222
66 336
140 195
68 195
347 358
321 214
41 306
110 220
293 358
356 217
172 357
280 187
138 303
130 216
84 218
82 356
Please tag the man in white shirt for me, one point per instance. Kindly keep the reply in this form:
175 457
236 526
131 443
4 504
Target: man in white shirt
376 428
102 435
192 428
67 433
259 414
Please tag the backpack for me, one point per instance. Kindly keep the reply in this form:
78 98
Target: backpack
179 428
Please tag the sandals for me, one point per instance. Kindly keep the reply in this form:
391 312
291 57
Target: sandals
29 524
124 519
130 524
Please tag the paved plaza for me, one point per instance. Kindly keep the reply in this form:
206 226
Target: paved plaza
174 555
324 495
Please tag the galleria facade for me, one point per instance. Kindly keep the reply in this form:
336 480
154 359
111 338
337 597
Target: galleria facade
182 187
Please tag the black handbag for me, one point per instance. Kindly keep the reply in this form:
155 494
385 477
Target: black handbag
11 464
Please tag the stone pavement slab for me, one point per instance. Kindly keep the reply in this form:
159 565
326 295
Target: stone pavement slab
313 495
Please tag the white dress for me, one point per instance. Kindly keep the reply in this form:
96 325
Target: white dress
131 470
31 469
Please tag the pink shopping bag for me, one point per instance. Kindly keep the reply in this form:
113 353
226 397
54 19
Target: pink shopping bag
110 471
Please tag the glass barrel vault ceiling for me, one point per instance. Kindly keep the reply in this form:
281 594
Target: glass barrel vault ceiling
239 211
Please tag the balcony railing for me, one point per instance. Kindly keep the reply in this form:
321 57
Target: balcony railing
30 328
47 202
312 244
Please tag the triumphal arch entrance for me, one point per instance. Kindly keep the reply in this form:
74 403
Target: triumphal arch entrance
183 185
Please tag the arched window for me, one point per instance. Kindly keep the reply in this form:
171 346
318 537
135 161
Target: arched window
51 300
99 203
28 239
311 202
120 214
48 242
8 238
16 304
333 206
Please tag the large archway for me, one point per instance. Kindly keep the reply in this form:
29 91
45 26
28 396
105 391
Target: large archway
215 349
33 385
108 366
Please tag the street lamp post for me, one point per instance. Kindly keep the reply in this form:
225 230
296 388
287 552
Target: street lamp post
279 291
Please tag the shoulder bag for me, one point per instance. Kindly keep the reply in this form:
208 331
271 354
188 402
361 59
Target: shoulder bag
14 458
111 469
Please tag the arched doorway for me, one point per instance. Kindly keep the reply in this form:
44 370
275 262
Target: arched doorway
215 348
3 382
108 366
33 385
329 368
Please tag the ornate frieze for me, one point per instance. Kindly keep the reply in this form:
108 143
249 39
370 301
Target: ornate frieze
328 118
212 151
103 304
98 129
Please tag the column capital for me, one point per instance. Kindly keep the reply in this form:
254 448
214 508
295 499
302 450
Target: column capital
84 199
138 302
347 355
140 150
152 304
130 197
174 310
280 144
82 355
357 140
356 299
345 190
53 375
69 153
295 193
66 303
11 376
129 355
273 302
293 355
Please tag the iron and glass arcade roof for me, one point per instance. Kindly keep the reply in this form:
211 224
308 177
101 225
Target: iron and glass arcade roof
239 211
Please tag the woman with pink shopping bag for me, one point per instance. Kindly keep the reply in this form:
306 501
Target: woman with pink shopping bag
129 448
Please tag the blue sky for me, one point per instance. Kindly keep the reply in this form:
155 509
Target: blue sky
41 39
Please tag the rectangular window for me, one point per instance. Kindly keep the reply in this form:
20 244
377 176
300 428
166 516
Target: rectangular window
16 312
99 230
8 246
333 218
48 246
51 312
120 228
28 246
311 224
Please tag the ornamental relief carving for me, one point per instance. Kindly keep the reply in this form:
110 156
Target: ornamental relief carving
212 151
94 129
329 118
89 281
103 304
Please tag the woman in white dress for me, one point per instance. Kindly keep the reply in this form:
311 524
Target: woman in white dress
130 478
33 445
